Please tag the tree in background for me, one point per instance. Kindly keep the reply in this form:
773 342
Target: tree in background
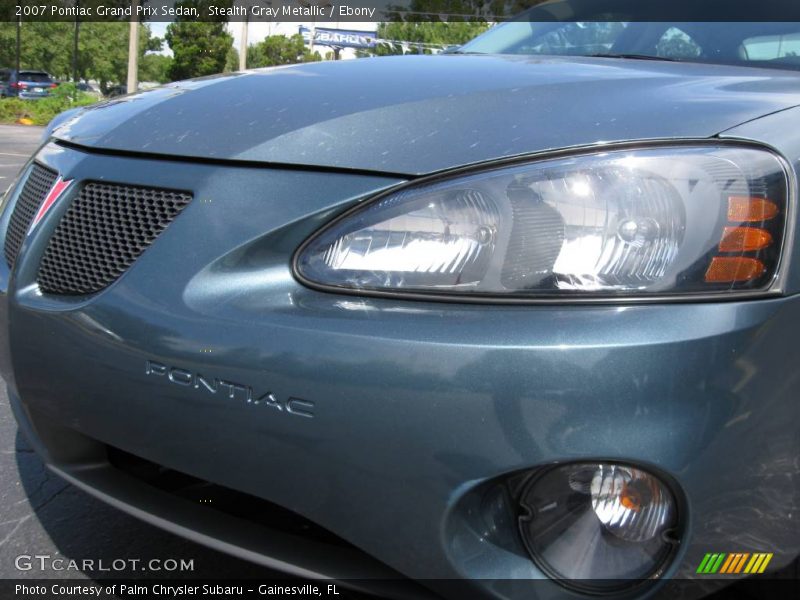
441 10
199 47
155 67
419 34
45 46
280 50
441 23
232 60
102 50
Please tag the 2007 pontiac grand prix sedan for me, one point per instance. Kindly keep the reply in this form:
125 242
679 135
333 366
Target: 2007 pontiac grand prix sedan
526 311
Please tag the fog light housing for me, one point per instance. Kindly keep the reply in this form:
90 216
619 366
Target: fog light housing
599 526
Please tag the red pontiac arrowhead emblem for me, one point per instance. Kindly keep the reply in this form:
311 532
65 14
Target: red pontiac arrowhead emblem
54 194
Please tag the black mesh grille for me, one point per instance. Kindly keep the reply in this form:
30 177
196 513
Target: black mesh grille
103 232
30 199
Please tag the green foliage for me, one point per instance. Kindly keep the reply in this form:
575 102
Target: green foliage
442 23
102 49
231 60
199 47
439 23
41 112
155 67
280 50
45 46
437 33
440 10
677 44
104 52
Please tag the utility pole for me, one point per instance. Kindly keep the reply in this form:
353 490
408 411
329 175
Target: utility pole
75 47
19 31
313 32
245 29
133 49
243 44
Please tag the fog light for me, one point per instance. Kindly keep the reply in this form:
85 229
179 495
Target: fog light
599 525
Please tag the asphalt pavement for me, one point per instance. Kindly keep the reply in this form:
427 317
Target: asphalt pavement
42 515
17 143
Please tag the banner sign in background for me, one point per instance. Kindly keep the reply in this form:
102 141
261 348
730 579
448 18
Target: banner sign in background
340 38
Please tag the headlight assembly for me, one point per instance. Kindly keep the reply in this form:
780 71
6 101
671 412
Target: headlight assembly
647 222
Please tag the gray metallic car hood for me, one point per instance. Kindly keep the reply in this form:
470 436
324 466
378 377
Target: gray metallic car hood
419 114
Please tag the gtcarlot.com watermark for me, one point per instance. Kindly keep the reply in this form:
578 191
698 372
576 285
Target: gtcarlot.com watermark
47 562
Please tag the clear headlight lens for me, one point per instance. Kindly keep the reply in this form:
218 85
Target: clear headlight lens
598 525
652 221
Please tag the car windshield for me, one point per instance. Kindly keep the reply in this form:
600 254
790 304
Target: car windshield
34 76
773 45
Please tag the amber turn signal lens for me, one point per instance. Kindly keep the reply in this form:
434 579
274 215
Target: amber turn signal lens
630 498
744 239
727 269
748 210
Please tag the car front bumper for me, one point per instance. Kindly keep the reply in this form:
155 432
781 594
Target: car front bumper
34 95
390 423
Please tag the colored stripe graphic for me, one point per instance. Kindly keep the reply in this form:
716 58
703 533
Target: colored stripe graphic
729 564
757 565
711 562
740 564
758 562
717 564
703 563
767 558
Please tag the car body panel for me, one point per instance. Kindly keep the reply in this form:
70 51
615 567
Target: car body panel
419 114
417 406
391 422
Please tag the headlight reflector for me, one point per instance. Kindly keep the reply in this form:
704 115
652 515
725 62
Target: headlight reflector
598 525
624 222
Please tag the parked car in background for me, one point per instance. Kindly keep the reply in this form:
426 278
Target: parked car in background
88 88
524 314
122 89
117 90
26 84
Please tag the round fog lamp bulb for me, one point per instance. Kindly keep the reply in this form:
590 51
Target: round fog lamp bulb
598 527
630 503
